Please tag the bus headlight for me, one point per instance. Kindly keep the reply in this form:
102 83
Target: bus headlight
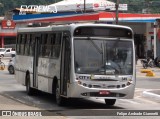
129 82
79 82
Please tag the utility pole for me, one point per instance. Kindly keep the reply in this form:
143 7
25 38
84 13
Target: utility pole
84 6
117 6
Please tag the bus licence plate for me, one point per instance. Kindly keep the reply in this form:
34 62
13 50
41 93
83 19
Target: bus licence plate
104 92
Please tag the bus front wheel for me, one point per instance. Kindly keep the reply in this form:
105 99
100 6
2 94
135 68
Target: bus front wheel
110 102
59 99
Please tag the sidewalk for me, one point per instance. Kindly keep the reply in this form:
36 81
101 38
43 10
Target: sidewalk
11 109
139 67
151 94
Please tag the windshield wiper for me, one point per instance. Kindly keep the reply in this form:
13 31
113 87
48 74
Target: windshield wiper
116 42
95 45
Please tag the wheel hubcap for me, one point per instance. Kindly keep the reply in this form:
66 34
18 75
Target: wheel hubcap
57 93
11 69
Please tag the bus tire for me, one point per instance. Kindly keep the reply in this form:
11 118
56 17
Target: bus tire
29 90
110 102
59 99
11 69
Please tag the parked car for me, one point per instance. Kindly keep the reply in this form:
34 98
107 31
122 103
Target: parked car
6 52
11 65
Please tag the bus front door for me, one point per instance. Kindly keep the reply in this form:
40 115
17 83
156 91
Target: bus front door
65 65
35 62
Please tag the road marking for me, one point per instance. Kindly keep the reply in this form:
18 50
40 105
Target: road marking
143 89
129 101
151 95
145 100
146 89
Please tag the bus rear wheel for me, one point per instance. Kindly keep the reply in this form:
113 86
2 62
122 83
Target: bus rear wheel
59 99
29 90
110 102
11 69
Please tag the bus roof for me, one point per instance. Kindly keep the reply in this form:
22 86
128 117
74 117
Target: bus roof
68 27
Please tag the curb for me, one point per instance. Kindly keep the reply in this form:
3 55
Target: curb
145 70
151 95
151 77
150 74
5 69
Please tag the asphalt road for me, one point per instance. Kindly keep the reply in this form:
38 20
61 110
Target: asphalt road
148 83
81 107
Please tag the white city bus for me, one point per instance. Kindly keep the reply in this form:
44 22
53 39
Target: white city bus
77 61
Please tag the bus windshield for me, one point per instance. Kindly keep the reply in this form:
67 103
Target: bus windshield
103 56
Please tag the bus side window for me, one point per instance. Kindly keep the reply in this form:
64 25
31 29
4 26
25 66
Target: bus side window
18 44
27 44
32 45
44 38
47 45
52 38
57 45
40 46
22 44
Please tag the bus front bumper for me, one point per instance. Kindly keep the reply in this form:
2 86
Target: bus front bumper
78 91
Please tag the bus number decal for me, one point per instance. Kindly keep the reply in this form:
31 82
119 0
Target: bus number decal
124 78
84 77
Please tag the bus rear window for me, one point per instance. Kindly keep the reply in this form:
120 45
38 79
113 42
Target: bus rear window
103 32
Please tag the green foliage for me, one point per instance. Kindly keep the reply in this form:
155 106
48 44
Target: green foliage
136 6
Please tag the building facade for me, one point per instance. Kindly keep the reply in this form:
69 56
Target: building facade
8 32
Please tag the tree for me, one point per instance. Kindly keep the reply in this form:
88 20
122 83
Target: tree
136 6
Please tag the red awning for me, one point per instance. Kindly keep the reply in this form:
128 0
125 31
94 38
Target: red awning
8 34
